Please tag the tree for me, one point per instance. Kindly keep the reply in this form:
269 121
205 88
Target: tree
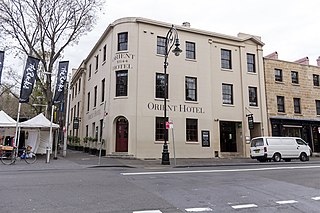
44 28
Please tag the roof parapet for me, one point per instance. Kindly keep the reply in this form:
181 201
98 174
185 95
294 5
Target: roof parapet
273 55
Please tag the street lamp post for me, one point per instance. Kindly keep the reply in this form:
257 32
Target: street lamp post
172 39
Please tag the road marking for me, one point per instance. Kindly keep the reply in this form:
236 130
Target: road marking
315 198
244 206
148 211
286 202
198 210
220 171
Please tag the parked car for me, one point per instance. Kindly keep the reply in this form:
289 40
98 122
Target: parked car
276 148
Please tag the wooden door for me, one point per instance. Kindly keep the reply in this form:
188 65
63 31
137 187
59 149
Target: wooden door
122 135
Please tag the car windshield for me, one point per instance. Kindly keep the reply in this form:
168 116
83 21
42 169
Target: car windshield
257 142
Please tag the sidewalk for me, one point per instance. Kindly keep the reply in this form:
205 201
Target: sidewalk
81 160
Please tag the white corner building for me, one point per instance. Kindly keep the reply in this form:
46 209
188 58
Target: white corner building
215 87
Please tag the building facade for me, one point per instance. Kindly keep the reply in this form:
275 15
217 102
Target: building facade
293 99
216 94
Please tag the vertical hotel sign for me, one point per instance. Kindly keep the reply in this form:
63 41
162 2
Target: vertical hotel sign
61 81
28 79
1 63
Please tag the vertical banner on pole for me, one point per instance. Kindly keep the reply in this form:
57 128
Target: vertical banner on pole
61 81
1 63
28 79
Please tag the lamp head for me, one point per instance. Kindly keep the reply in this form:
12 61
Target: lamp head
177 49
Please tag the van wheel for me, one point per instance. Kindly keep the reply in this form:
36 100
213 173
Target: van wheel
276 157
287 160
303 156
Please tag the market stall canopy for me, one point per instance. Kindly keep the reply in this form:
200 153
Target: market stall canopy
39 121
6 120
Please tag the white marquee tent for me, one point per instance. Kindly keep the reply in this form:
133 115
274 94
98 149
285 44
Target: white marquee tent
37 130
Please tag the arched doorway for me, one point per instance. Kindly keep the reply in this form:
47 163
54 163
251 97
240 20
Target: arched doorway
122 133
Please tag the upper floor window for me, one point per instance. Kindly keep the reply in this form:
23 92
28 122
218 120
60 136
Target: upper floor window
294 77
79 85
280 104
278 75
90 70
251 63
316 80
95 96
318 107
76 90
103 86
296 105
161 45
191 129
227 93
104 52
161 85
191 89
253 98
122 83
226 59
190 50
88 103
97 62
122 41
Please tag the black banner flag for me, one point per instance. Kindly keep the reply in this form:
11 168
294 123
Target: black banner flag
28 79
1 63
61 81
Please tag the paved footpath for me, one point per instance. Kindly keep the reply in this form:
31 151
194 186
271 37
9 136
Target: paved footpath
79 160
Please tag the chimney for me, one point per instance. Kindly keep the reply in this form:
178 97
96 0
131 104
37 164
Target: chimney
186 24
304 60
318 61
273 55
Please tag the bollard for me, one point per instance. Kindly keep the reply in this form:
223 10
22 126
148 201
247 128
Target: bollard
48 155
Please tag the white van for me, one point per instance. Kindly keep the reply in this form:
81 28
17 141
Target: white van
277 148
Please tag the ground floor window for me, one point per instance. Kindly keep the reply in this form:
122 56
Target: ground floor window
161 132
228 142
192 130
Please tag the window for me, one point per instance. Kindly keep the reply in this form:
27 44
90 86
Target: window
89 76
253 99
190 50
191 89
78 109
122 83
79 85
104 52
280 104
227 93
278 75
93 128
160 129
101 128
76 90
97 62
87 131
122 41
316 80
161 45
318 107
226 59
296 105
72 92
251 63
160 85
192 129
294 77
103 86
88 104
95 96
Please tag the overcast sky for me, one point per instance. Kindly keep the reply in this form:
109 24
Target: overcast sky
290 27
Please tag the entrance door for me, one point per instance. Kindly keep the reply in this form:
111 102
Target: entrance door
122 135
228 142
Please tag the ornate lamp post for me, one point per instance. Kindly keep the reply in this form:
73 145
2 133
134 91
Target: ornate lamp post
172 39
